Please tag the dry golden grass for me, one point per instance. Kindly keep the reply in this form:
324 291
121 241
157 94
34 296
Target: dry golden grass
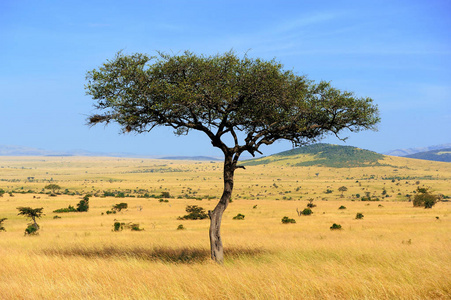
395 252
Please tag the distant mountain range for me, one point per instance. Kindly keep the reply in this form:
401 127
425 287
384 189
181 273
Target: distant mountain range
8 150
326 154
435 155
410 151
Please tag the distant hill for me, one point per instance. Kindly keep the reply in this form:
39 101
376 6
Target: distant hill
435 155
410 151
325 155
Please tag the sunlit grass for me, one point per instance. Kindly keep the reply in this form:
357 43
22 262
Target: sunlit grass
395 252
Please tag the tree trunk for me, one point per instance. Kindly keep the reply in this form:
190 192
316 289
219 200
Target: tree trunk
217 251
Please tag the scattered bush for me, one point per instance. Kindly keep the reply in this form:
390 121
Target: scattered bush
342 207
307 212
180 227
1 224
119 226
424 198
135 227
359 216
335 227
32 229
286 220
70 208
83 205
238 217
254 207
310 204
56 217
194 213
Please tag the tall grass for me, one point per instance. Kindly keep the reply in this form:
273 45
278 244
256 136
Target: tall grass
395 252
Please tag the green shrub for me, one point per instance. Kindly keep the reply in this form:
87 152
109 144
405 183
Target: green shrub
307 212
342 207
335 227
238 217
286 220
194 213
424 198
1 224
310 204
83 205
180 227
70 208
118 226
32 229
359 216
56 217
135 227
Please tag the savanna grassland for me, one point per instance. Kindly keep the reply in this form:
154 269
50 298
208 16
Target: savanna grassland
395 252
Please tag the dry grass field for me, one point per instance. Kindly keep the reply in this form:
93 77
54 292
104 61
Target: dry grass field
395 252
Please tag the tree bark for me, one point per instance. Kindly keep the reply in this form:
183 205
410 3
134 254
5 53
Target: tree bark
217 250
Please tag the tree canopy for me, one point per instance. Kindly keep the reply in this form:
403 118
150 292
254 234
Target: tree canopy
221 95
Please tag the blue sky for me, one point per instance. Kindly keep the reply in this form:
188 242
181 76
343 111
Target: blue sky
396 52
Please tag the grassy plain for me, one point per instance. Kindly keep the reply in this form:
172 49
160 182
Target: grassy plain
395 252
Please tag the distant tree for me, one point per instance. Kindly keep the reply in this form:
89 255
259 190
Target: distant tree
33 214
52 187
342 189
120 206
194 213
240 104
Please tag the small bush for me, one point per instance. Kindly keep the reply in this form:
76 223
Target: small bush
238 217
83 205
180 227
70 208
424 198
56 217
118 226
32 229
286 220
135 227
1 224
359 216
335 227
194 213
342 207
307 212
310 204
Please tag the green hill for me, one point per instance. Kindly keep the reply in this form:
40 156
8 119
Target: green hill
435 155
324 155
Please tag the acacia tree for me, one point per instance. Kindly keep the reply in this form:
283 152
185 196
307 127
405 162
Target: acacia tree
33 214
239 103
